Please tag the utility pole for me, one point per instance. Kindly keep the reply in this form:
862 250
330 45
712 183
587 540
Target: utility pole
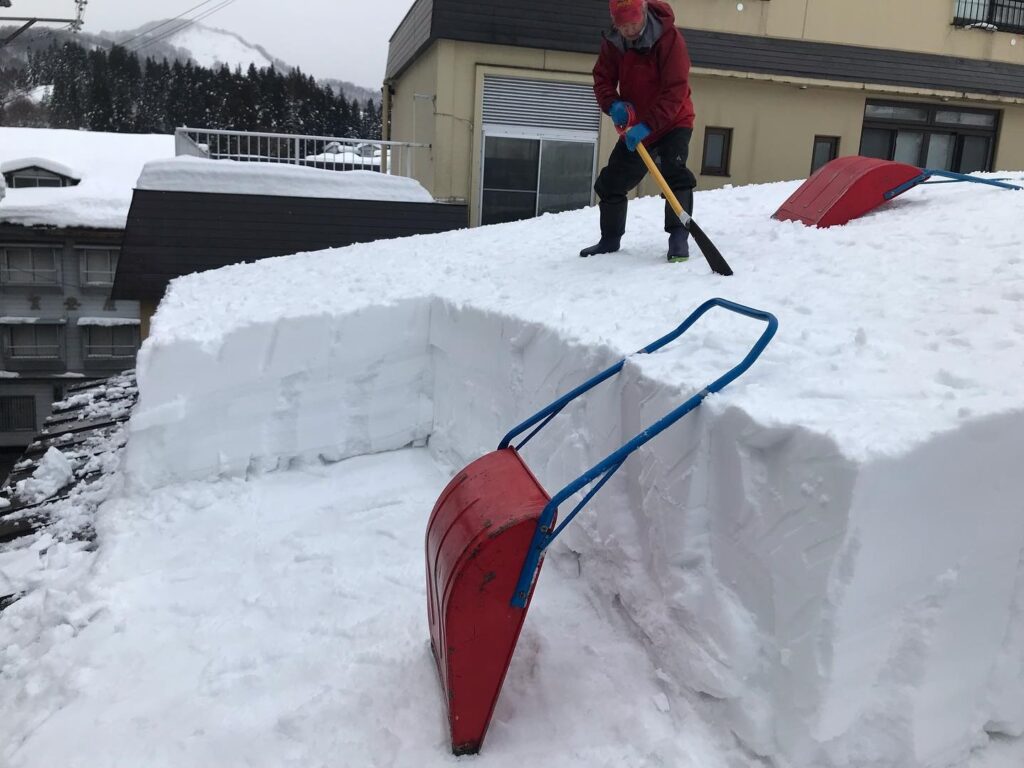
75 24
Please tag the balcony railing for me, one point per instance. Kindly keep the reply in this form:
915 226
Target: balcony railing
1001 15
326 152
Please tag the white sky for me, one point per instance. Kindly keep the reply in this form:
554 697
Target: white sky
347 40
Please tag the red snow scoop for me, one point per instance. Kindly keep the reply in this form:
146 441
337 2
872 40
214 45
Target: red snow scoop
848 187
486 538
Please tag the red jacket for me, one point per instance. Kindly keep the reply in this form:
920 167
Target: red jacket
656 81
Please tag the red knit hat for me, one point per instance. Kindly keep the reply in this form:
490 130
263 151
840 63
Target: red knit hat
626 11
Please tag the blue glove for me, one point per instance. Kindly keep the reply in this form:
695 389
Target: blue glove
619 113
635 135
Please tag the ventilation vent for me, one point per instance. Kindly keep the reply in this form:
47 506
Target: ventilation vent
540 104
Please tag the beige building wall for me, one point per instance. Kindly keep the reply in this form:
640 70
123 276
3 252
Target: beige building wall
412 116
774 119
1010 149
922 26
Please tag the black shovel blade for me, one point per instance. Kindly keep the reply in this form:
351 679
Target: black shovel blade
715 259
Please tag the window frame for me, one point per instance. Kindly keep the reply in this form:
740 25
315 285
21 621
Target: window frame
36 174
717 170
931 125
10 347
82 253
56 253
539 135
89 345
11 409
833 141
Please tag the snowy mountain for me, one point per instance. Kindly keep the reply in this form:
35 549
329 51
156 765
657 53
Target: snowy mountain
207 46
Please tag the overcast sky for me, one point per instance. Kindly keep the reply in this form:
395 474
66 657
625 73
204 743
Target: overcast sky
346 39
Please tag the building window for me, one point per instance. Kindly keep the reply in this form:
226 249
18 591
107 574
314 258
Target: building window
18 414
34 341
717 148
1004 15
29 265
826 149
98 266
111 342
929 136
525 177
34 177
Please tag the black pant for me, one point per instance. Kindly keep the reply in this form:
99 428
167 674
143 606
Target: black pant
625 170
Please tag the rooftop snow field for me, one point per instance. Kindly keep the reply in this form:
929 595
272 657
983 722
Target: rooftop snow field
108 165
193 174
830 549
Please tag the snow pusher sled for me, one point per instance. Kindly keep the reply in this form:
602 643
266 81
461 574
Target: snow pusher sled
849 187
486 539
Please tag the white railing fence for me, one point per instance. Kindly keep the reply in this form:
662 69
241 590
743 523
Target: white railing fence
326 152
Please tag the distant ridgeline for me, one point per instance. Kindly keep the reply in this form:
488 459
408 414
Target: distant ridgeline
113 90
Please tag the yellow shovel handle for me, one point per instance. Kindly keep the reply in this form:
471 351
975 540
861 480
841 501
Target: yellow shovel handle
665 189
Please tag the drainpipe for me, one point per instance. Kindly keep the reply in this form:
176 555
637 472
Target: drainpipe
385 122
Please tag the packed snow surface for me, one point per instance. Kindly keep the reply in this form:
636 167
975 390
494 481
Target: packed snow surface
108 165
821 566
195 174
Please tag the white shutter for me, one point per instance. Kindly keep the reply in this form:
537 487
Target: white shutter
519 102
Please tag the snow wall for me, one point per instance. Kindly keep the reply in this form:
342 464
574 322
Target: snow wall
832 611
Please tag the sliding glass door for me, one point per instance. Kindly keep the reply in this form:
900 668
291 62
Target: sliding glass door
527 173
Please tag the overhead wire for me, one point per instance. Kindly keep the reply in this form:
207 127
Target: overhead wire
152 41
151 30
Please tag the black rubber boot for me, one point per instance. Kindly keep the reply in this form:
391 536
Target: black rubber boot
679 244
613 224
604 245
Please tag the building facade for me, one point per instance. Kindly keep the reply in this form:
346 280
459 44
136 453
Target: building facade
58 324
503 94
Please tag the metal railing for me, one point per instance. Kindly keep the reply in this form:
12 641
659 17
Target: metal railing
325 152
996 15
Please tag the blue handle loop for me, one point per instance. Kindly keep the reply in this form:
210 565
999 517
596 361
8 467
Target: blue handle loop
543 535
951 177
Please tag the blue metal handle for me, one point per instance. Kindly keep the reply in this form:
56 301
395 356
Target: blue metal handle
543 535
927 173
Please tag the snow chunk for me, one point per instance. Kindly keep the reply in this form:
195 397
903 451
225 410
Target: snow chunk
109 321
52 474
195 174
12 320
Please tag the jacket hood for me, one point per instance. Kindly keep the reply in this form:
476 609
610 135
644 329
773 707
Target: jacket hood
660 19
663 12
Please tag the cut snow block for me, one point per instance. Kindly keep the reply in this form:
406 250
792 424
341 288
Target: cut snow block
476 543
845 189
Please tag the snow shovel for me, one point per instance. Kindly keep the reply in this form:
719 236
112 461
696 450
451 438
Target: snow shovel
486 539
714 257
849 187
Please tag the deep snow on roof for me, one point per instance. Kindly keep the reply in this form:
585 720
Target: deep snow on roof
195 174
107 163
901 325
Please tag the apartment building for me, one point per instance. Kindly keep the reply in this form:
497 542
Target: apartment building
61 229
502 92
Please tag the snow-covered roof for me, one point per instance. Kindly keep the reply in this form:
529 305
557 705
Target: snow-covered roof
109 321
193 174
21 163
15 320
107 163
